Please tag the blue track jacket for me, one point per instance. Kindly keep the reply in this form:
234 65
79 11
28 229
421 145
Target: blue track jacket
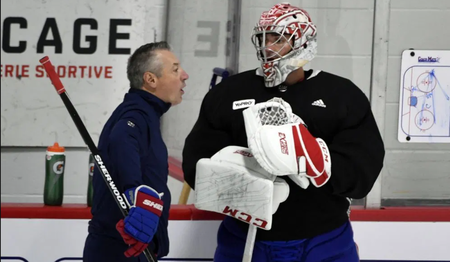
134 153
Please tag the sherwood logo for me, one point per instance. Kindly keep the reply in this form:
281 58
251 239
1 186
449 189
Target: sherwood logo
243 103
111 182
428 59
153 204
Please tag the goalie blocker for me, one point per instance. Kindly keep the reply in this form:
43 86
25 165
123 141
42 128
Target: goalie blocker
233 183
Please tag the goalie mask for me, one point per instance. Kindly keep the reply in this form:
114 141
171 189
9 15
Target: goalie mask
285 40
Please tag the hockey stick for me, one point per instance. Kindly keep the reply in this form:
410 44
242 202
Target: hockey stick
118 197
249 244
217 71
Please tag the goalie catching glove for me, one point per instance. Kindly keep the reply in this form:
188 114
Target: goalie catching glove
139 226
282 144
233 183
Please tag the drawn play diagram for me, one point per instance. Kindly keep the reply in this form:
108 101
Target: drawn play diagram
424 113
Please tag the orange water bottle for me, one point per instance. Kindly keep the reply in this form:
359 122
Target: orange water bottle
54 175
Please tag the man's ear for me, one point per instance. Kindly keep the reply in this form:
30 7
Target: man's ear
150 79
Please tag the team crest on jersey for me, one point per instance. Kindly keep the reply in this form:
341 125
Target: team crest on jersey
243 103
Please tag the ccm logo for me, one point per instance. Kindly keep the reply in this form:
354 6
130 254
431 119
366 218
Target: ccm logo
325 153
283 143
153 204
245 217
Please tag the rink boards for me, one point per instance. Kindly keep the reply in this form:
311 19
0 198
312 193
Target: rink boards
52 235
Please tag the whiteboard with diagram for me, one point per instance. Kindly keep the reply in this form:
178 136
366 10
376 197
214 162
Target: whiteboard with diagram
424 106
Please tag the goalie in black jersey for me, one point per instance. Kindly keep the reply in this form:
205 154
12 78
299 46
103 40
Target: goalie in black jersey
282 149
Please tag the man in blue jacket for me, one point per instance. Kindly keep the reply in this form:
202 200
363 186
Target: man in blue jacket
134 152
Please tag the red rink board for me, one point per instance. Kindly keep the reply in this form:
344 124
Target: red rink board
189 212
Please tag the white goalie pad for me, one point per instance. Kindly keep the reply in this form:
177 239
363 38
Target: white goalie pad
242 156
280 193
235 190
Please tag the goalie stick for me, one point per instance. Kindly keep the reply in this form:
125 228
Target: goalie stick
249 244
118 197
217 71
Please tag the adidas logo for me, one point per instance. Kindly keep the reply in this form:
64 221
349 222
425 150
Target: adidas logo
319 103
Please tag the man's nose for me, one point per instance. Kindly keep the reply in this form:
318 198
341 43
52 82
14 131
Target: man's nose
185 75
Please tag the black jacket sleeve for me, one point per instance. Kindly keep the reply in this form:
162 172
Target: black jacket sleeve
357 149
206 137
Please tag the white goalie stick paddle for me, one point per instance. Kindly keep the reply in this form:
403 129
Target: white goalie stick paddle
118 197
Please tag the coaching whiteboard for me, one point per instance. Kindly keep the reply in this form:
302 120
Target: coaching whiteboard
424 106
89 43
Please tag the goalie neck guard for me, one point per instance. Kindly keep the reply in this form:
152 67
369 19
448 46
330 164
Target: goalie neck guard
293 26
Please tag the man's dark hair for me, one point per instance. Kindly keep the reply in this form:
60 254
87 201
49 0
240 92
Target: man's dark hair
145 59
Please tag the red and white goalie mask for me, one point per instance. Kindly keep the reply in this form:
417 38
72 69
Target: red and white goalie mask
285 40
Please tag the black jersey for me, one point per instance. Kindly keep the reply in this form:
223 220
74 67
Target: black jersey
334 109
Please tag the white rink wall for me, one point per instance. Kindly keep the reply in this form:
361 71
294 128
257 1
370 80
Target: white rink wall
377 241
197 32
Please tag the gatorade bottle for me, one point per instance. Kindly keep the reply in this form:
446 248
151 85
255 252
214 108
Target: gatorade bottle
54 179
90 190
